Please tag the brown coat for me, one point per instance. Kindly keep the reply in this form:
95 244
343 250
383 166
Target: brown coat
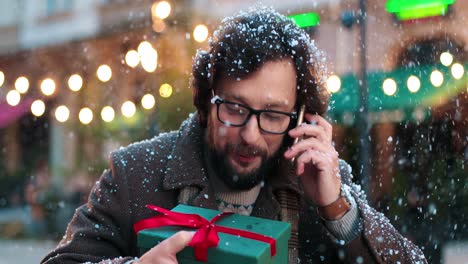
154 172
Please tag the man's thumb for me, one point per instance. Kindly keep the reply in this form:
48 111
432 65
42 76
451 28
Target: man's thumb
178 241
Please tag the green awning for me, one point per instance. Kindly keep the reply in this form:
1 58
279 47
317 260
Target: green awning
346 102
304 20
415 9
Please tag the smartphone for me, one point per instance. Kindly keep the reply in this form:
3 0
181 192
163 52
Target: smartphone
300 119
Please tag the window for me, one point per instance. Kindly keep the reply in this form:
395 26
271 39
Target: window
58 6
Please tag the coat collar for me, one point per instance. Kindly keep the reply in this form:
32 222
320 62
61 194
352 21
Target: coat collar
186 167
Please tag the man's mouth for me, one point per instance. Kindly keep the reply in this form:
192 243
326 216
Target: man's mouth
246 158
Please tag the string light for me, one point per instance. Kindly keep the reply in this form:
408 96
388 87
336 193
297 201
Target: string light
38 108
62 113
150 62
200 33
22 84
104 73
333 84
165 90
148 56
159 25
437 78
13 98
75 82
148 101
85 116
107 113
2 78
413 83
128 109
161 9
457 71
132 58
446 58
389 86
144 47
48 87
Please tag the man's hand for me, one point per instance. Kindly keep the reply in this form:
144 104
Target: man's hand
316 160
165 252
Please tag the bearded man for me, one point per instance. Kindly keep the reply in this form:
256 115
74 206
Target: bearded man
236 154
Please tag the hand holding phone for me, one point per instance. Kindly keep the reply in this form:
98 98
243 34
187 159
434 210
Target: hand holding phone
316 160
300 118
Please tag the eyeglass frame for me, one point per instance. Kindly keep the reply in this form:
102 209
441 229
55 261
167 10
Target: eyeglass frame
216 100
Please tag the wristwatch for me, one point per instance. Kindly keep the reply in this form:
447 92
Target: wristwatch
335 210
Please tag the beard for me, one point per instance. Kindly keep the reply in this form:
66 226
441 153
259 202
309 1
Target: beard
230 176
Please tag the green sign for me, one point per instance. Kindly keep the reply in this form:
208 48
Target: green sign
415 9
306 20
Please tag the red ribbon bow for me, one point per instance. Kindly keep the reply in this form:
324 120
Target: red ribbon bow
207 234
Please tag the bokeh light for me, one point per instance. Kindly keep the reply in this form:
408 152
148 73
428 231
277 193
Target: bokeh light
148 101
161 9
200 33
2 78
85 116
75 82
13 98
457 71
107 113
437 78
159 25
389 86
165 90
144 47
48 87
38 108
446 58
413 83
128 109
132 58
22 84
148 56
333 84
62 113
104 73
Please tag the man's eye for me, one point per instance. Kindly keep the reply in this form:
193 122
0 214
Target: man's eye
272 116
236 109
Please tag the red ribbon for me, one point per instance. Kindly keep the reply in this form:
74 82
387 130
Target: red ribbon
207 234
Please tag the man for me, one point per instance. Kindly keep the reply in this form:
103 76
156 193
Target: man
235 154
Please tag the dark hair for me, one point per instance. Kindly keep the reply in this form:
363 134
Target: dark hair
244 42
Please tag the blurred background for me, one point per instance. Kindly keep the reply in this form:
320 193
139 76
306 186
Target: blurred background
79 79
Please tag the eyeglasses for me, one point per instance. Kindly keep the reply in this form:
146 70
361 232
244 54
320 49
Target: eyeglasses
237 115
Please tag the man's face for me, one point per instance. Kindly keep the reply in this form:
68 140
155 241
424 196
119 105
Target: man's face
242 155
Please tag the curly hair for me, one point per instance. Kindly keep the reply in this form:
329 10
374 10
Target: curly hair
245 42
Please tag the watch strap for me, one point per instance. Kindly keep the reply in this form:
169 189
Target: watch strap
335 210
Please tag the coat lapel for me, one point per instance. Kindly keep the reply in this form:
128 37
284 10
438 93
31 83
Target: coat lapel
267 206
185 166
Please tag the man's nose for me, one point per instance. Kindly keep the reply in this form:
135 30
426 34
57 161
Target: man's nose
250 133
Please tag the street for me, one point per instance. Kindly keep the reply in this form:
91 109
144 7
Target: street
24 251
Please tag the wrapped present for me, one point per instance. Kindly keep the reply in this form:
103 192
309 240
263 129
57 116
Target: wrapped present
219 238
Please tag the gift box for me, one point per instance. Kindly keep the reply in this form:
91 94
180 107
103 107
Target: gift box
234 249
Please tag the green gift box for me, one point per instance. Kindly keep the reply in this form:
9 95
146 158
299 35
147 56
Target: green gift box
231 248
